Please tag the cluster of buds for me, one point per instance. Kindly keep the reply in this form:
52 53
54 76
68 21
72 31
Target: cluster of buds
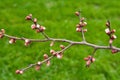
114 51
48 61
81 24
58 54
19 72
2 32
110 32
89 60
35 26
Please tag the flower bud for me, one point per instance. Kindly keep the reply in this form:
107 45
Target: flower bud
86 59
77 13
78 29
84 23
19 72
39 63
108 24
37 67
48 63
110 41
107 31
62 46
27 42
29 17
3 31
52 52
113 31
52 43
93 59
59 55
85 30
33 26
82 19
12 40
35 20
114 51
42 28
113 37
1 35
45 56
88 63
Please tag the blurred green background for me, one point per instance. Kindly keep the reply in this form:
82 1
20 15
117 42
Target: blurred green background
59 19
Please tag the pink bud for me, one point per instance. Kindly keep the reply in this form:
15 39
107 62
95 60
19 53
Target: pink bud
53 52
42 28
29 17
85 30
35 20
107 31
48 63
88 63
113 37
1 35
33 26
27 42
78 29
21 71
110 41
17 71
37 67
39 63
77 13
52 43
62 46
114 51
12 40
113 31
3 31
93 60
45 56
86 59
59 55
84 23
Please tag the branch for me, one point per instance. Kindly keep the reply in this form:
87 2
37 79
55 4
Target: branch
79 28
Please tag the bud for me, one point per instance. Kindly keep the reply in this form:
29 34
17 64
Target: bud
77 25
82 19
62 46
27 42
110 41
17 71
29 17
93 59
59 55
113 31
77 13
108 23
114 51
35 20
88 63
1 35
37 67
42 28
78 29
52 52
52 43
107 31
45 56
85 30
48 63
38 26
3 31
84 23
33 26
86 59
113 37
39 63
12 40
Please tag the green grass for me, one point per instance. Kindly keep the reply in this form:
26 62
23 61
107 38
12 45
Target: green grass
60 21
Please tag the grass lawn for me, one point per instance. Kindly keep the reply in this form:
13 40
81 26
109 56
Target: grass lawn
60 22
